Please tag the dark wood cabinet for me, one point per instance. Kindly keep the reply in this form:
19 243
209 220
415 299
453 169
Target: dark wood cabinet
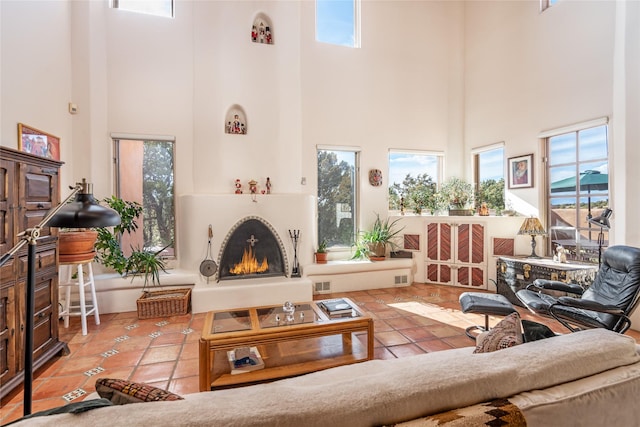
515 273
29 188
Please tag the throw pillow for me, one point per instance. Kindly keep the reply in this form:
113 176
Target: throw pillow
121 392
506 333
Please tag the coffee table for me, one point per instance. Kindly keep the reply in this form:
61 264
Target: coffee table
311 342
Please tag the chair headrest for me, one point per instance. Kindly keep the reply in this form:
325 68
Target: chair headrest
622 258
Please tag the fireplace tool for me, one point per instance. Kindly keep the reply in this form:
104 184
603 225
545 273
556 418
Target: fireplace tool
208 266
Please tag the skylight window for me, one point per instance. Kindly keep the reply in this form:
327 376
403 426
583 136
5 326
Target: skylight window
338 22
162 8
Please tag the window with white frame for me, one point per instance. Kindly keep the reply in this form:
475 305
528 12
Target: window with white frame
578 189
488 174
164 8
413 180
337 196
338 22
546 4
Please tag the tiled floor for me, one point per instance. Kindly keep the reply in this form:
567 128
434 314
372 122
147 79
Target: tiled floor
164 352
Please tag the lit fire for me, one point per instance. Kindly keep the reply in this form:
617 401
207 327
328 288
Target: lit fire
249 264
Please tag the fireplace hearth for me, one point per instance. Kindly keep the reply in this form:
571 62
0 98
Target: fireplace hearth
251 249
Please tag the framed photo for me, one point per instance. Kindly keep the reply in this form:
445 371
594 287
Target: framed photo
34 141
520 171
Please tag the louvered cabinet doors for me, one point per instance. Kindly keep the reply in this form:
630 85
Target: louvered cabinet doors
456 252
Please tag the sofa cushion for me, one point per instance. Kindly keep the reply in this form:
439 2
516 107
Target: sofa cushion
506 333
121 392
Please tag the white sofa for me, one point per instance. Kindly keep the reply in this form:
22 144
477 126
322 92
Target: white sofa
589 378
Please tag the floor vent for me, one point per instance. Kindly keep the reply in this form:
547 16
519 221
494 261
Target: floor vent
323 286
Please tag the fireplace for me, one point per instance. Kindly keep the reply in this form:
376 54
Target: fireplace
251 249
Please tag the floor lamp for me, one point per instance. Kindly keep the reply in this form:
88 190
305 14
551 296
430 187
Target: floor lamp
83 212
601 221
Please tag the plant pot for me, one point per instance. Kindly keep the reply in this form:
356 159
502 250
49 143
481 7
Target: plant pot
378 251
321 257
74 246
460 212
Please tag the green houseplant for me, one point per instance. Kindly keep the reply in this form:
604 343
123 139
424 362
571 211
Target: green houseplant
373 243
457 195
321 252
109 252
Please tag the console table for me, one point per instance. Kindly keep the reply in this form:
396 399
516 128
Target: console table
515 273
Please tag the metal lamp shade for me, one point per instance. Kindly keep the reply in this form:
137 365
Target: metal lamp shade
84 212
602 220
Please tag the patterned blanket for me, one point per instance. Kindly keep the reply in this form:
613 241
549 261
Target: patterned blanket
497 413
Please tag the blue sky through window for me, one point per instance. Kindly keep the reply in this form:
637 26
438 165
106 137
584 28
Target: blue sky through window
335 22
401 164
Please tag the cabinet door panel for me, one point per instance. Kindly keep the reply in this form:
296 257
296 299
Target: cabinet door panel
7 333
7 197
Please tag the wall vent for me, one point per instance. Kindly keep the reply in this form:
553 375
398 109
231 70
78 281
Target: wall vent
323 286
401 280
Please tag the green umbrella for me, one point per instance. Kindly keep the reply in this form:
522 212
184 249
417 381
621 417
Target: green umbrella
589 180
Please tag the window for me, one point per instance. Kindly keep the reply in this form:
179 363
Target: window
413 180
152 7
546 4
488 176
578 188
144 174
337 196
338 22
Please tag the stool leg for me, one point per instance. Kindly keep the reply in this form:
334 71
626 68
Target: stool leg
83 308
67 300
92 286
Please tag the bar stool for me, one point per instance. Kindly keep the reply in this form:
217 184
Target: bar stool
81 308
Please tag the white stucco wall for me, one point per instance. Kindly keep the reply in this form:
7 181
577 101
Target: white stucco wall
436 75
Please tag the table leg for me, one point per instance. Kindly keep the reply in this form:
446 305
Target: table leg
370 341
347 344
206 362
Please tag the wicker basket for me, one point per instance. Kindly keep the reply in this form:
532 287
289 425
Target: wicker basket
164 303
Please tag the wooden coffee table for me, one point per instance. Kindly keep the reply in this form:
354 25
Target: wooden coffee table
311 342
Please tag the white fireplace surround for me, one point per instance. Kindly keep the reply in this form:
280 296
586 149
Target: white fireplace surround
195 212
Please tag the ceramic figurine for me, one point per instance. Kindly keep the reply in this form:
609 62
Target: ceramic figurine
268 185
238 187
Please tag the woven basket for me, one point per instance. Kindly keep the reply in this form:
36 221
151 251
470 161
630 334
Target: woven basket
164 303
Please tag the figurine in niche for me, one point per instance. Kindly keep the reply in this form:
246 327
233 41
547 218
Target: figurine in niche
269 38
238 187
253 186
254 34
268 185
261 33
236 124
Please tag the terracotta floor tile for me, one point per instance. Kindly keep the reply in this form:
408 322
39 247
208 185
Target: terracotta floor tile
392 338
153 373
407 321
161 354
406 350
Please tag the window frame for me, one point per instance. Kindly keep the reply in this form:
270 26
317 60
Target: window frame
356 197
577 195
438 178
357 36
118 139
476 167
116 4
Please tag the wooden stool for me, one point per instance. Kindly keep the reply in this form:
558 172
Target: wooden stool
82 308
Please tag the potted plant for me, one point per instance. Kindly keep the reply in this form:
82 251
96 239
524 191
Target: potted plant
109 252
321 252
458 194
373 243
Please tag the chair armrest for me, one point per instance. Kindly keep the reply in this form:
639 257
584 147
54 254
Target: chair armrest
555 285
589 305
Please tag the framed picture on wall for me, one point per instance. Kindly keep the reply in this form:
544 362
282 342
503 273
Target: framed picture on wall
520 171
34 141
